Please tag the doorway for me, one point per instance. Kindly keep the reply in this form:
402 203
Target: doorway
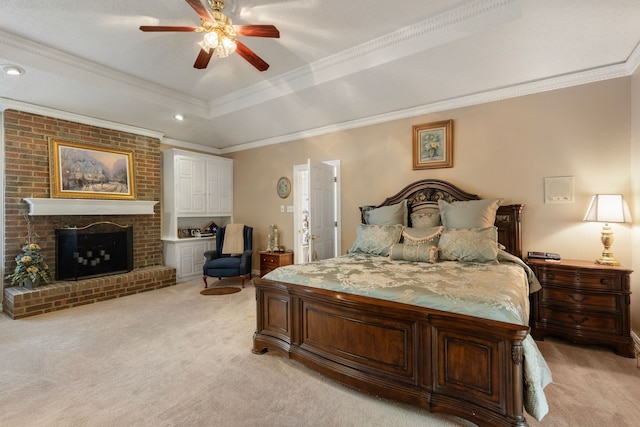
316 201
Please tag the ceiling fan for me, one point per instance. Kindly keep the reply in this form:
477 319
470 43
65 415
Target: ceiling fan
220 36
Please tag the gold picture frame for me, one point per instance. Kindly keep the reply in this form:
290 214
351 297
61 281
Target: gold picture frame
433 145
84 171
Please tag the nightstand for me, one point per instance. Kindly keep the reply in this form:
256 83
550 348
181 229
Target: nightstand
583 302
271 260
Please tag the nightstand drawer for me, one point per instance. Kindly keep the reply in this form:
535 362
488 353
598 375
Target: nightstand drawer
592 280
579 300
269 261
583 302
582 320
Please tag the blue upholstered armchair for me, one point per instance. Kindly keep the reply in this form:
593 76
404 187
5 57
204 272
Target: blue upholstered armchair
222 265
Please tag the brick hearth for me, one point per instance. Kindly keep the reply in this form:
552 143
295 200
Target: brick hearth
22 302
27 175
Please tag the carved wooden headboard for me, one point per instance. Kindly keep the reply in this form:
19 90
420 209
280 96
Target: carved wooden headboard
424 195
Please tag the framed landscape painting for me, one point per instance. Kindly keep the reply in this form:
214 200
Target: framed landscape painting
433 145
85 171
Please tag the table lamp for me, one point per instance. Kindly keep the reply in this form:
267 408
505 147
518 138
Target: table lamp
607 208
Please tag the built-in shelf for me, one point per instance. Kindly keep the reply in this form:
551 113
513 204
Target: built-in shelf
89 207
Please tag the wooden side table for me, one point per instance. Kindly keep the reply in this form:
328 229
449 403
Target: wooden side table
583 302
271 260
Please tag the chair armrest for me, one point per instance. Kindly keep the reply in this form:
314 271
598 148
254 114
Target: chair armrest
245 260
209 255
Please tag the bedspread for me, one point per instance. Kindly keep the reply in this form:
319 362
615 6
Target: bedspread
491 291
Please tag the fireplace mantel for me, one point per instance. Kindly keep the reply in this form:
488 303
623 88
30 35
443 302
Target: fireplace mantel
89 207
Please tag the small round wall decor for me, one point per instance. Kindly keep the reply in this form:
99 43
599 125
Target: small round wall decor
284 187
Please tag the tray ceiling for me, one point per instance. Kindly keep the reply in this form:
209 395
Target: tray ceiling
337 64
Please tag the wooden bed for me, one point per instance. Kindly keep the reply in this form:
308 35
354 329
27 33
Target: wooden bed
444 362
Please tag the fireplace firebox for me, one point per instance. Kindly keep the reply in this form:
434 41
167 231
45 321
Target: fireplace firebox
98 249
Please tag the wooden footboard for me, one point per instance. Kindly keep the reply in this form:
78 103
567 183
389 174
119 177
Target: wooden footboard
444 362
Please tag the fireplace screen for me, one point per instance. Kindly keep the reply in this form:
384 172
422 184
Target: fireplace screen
96 250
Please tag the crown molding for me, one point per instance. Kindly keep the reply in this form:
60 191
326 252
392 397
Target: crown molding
460 22
623 69
190 146
10 104
74 66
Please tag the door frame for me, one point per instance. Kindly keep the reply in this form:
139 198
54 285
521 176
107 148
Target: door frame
297 194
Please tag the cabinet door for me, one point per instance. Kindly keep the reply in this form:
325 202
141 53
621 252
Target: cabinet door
219 187
191 257
199 248
186 257
190 185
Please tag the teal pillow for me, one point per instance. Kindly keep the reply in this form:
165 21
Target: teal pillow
427 219
387 215
418 253
376 239
469 244
469 214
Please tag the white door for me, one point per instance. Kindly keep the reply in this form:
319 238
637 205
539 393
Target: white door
322 211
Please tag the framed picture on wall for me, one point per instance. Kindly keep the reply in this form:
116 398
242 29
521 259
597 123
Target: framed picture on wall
433 145
84 171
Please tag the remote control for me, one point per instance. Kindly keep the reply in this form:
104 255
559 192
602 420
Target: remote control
544 255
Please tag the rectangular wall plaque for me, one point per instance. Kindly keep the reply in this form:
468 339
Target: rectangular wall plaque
558 189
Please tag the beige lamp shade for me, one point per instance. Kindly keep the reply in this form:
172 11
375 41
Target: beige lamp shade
607 208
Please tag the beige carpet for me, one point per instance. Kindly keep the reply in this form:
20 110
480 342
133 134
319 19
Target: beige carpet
173 357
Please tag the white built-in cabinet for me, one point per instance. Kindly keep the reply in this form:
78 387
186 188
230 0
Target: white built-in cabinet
187 256
197 189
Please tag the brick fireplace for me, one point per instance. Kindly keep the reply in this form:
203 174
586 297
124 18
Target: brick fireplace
27 175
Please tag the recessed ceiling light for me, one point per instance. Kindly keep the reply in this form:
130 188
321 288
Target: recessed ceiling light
179 117
13 70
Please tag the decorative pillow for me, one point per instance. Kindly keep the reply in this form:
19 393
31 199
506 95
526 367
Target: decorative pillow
386 215
469 214
416 236
426 219
376 239
419 253
469 244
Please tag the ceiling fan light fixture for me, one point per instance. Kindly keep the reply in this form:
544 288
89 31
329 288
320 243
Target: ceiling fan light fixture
219 35
211 39
226 47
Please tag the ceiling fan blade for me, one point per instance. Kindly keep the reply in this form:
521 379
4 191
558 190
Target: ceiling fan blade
166 28
202 11
257 31
250 56
203 59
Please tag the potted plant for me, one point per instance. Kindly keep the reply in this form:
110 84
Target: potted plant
30 265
